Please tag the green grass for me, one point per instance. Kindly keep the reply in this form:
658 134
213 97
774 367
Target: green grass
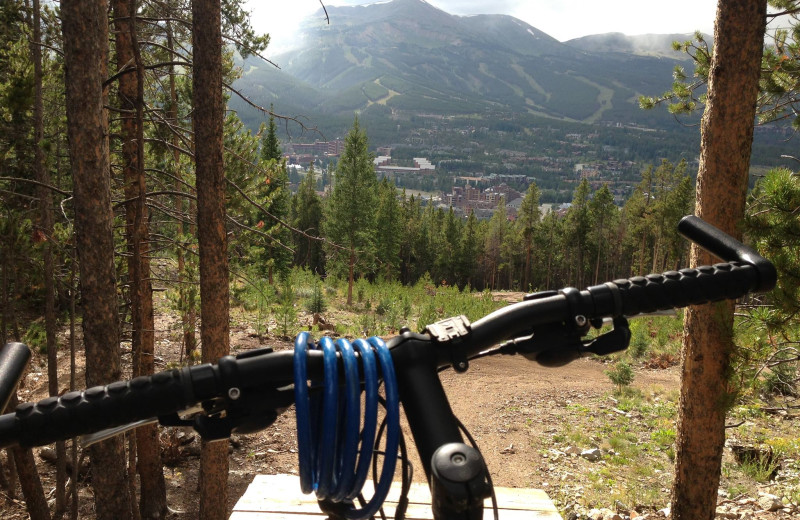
379 307
759 469
663 437
655 339
638 447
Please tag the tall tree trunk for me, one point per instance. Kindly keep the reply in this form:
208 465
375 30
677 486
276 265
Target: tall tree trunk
5 298
351 275
187 302
208 112
73 289
46 225
85 29
9 307
726 138
12 473
528 253
30 483
153 500
29 477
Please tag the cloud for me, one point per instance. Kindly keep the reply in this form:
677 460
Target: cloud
476 6
563 20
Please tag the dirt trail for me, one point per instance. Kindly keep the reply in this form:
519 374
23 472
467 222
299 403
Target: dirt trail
510 405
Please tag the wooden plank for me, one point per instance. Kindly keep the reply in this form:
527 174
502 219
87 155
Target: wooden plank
278 497
505 514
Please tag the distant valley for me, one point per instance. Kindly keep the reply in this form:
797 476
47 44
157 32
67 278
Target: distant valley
469 92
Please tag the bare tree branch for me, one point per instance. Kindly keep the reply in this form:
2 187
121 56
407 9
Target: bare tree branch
37 183
250 50
260 233
265 111
282 222
325 9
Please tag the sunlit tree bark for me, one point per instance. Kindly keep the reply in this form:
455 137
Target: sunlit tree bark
208 122
85 30
726 139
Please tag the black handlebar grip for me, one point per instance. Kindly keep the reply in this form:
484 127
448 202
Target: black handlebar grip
95 409
728 249
674 289
13 359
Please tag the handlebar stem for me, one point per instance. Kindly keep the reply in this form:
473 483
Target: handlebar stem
425 403
434 427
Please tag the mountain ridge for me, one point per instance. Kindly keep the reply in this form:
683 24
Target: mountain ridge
409 57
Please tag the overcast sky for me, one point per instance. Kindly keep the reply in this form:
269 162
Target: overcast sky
562 20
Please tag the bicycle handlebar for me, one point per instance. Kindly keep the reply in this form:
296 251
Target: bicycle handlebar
13 359
255 385
728 249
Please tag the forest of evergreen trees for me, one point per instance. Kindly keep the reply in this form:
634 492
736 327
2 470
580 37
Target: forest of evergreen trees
399 237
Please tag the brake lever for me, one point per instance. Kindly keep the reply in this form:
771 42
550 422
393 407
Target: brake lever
612 341
551 346
182 419
560 344
93 438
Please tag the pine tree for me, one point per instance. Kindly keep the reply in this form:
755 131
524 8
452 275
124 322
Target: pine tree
208 111
449 242
578 225
270 144
495 236
427 247
673 197
513 256
604 217
350 210
636 224
388 231
85 29
410 239
528 220
469 251
276 192
772 223
553 265
726 137
306 216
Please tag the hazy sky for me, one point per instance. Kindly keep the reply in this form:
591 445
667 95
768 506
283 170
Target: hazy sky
562 20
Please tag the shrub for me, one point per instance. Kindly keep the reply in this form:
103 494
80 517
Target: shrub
427 316
639 342
406 304
367 324
316 303
285 313
36 336
621 374
664 437
384 306
782 379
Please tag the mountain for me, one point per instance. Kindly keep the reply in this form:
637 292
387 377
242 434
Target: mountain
641 44
408 57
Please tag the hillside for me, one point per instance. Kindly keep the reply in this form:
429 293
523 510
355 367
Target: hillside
653 45
408 57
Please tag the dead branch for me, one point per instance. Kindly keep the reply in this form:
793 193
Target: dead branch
259 233
250 50
37 183
282 222
286 119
